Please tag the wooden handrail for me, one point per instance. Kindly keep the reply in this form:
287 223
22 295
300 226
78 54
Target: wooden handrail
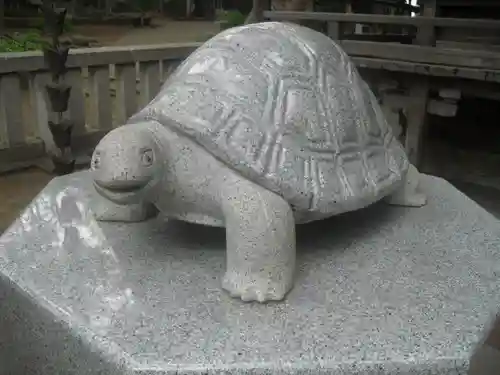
15 62
384 19
422 54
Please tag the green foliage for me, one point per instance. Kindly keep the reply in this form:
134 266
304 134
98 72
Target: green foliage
20 42
145 5
230 18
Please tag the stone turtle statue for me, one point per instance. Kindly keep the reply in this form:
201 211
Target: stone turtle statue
262 127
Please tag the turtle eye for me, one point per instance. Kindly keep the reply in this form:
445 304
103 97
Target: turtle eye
96 161
147 157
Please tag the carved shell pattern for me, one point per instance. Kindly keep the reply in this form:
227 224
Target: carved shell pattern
285 107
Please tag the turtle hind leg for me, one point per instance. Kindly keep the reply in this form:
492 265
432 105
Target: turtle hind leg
408 194
260 236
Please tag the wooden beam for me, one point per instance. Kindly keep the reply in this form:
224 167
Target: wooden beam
421 54
33 61
486 44
411 68
15 62
385 19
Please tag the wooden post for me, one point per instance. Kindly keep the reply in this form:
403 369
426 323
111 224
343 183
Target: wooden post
426 34
416 119
419 92
348 6
109 6
347 28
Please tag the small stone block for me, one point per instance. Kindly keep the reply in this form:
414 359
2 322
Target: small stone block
385 290
449 93
442 108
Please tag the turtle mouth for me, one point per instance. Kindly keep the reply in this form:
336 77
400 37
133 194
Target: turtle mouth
123 190
120 194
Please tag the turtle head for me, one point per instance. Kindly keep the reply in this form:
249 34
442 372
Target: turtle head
126 164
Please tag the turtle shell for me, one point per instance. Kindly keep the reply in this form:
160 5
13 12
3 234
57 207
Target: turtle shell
285 107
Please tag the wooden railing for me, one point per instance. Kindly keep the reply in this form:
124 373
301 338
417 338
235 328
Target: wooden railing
427 45
422 52
108 85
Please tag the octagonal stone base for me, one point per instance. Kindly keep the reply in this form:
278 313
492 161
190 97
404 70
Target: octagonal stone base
385 290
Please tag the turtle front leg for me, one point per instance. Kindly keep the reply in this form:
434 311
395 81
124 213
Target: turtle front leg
260 236
408 194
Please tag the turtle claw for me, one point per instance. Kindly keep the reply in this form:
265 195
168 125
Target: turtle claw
250 288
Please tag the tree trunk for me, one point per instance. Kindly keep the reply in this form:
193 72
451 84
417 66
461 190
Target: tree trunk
108 4
2 16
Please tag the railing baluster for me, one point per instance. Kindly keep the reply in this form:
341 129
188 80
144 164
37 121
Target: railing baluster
168 67
126 92
150 81
10 91
24 105
333 30
76 100
101 108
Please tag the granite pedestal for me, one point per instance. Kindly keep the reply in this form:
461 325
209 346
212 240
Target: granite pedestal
384 290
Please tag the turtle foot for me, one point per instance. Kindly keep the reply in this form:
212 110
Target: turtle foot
409 200
407 194
254 288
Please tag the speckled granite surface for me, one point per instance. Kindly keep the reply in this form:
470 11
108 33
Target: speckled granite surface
385 290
